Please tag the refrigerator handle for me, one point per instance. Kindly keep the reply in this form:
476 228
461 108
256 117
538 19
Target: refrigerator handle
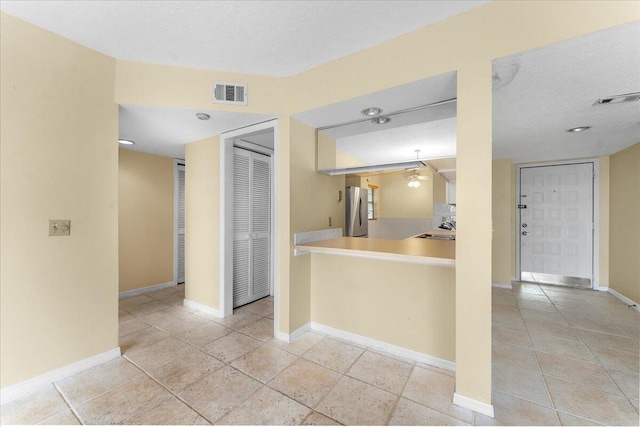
360 212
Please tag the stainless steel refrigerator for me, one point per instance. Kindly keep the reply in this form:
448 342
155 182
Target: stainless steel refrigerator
356 207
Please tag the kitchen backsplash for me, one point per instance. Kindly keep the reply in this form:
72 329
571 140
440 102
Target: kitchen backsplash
444 212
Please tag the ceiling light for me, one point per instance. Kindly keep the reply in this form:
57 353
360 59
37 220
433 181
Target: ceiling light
414 184
371 111
579 129
125 142
381 120
203 116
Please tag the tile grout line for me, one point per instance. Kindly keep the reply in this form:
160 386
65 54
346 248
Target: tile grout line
598 363
170 392
262 343
535 354
68 402
399 396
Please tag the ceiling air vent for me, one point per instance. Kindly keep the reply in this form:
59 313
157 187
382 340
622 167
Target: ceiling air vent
619 99
230 93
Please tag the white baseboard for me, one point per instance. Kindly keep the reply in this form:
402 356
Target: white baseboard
386 347
15 391
281 336
293 335
132 292
203 308
624 299
501 285
473 404
601 288
299 332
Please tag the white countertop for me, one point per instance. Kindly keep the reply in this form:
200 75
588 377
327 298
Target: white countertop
416 251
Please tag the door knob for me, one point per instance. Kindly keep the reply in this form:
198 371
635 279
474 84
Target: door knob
524 233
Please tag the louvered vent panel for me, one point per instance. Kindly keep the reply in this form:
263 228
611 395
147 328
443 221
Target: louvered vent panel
180 258
260 203
181 198
240 271
241 193
260 271
230 93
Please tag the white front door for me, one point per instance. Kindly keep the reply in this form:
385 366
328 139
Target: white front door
251 226
556 224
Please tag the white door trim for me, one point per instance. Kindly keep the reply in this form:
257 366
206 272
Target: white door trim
595 280
176 162
226 217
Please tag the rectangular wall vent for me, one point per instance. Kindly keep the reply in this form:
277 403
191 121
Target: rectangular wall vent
230 93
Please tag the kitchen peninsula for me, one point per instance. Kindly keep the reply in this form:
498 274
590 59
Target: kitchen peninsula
397 295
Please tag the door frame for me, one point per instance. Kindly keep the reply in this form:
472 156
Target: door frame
176 163
226 217
595 259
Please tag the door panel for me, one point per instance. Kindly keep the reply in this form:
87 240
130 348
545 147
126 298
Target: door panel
556 227
181 223
251 226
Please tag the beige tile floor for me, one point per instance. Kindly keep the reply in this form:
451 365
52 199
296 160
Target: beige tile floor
560 356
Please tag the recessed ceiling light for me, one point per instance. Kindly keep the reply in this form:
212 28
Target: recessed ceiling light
381 120
203 116
371 111
579 129
125 142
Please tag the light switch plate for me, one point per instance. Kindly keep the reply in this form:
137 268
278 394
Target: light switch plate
59 227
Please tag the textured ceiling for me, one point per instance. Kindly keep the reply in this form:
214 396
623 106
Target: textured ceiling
165 131
279 38
555 89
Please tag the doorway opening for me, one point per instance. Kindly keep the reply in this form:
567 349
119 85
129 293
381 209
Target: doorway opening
557 223
248 217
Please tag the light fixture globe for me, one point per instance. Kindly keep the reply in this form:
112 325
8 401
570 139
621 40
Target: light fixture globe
125 142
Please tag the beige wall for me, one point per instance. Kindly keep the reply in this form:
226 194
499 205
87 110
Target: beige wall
407 305
503 227
439 189
59 160
202 222
625 223
145 219
171 86
398 200
344 160
314 199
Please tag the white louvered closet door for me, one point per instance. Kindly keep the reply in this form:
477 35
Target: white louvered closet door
181 221
251 226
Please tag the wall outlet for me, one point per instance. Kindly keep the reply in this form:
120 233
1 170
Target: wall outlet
59 227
